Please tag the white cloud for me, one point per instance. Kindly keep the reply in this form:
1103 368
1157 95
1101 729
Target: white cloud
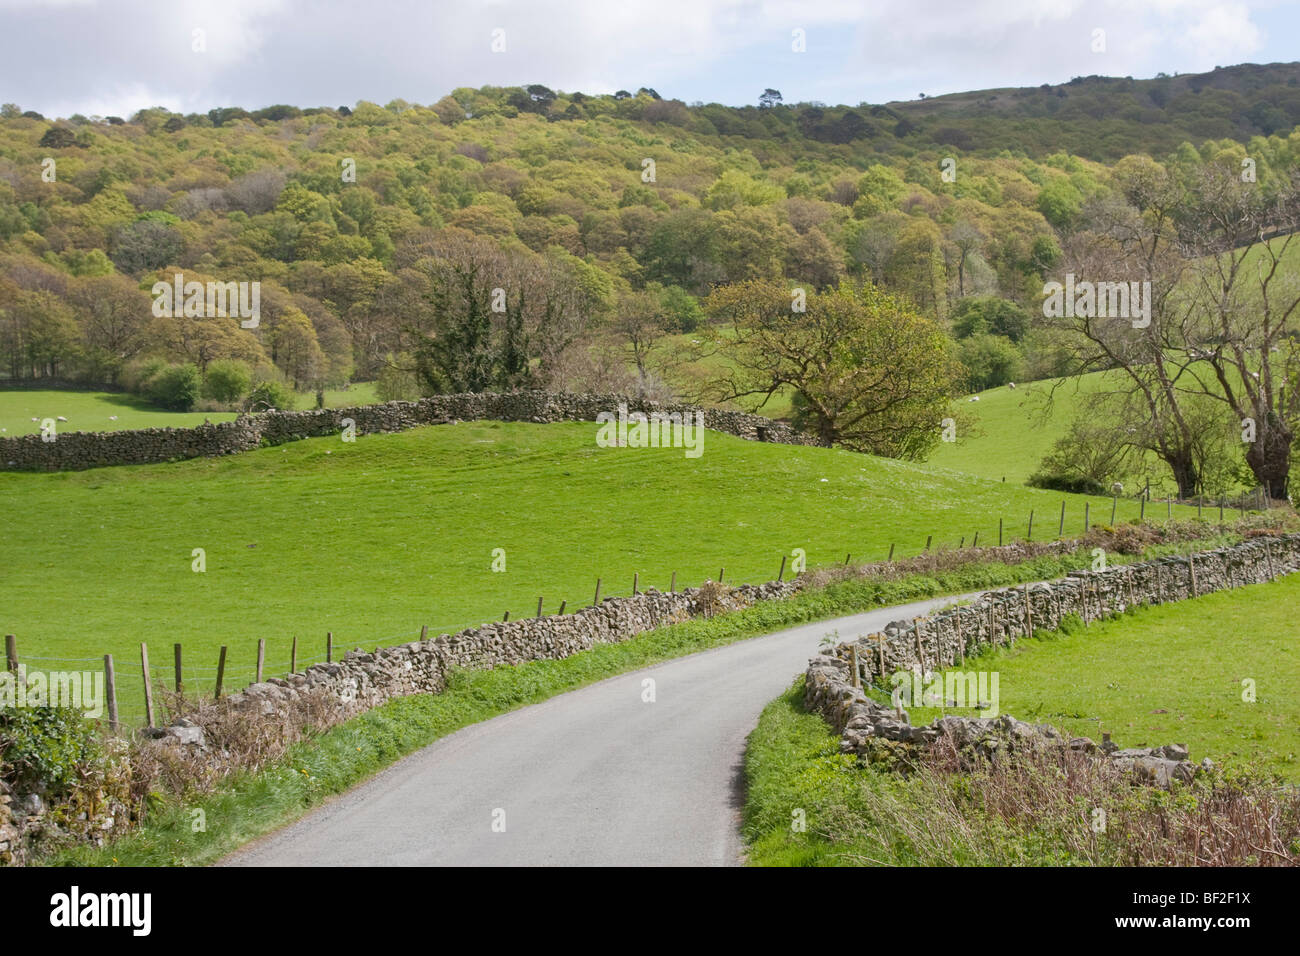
1221 34
265 51
120 101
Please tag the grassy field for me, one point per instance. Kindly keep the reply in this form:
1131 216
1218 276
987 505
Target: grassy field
96 411
373 539
1007 431
91 412
1169 674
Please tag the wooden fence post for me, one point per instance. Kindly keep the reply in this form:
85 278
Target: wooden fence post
261 657
975 542
1030 535
110 691
847 557
672 588
1061 532
424 632
636 582
11 653
293 655
880 646
539 605
180 683
505 617
221 672
148 684
920 649
1142 509
999 532
780 575
329 646
928 538
1114 503
596 599
721 574
1086 520
890 559
853 663
563 605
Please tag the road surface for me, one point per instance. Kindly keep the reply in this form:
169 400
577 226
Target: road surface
596 776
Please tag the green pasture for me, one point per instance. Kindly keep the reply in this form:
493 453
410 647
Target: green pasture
373 539
21 410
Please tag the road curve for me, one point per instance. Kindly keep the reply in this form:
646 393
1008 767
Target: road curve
596 776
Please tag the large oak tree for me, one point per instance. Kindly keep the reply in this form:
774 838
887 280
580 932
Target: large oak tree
867 371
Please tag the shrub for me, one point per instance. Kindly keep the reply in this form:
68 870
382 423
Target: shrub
1087 459
1071 484
269 394
137 374
990 360
227 380
44 749
177 387
681 308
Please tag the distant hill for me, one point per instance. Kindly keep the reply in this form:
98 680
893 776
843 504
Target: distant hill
1104 118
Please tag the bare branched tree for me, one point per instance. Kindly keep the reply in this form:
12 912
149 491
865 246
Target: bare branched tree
1220 311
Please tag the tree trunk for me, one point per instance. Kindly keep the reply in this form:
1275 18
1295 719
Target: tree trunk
1269 457
1184 470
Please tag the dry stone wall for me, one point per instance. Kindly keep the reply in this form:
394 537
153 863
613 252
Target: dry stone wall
72 451
996 618
367 679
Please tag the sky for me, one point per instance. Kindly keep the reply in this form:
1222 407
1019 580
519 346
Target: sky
113 57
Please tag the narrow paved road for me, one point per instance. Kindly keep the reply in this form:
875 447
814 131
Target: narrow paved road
597 776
